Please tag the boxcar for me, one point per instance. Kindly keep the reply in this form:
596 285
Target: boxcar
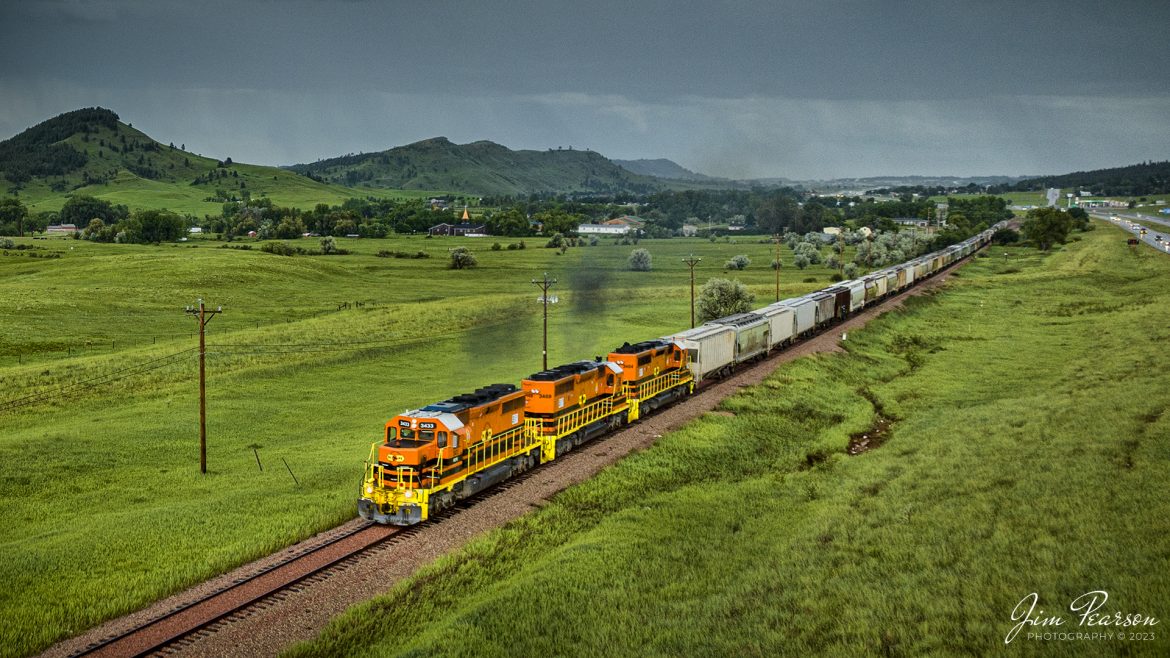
905 275
921 269
841 300
875 287
752 332
856 294
805 310
782 322
824 309
711 349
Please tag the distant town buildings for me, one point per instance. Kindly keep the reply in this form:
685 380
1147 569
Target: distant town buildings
1082 202
616 226
602 229
461 229
627 220
911 221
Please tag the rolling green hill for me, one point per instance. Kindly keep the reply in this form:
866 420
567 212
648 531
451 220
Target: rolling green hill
92 152
484 168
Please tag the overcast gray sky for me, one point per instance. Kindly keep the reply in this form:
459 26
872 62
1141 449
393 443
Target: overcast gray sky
739 88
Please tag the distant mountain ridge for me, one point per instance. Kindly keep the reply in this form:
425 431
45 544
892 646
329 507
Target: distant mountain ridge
91 151
663 168
481 167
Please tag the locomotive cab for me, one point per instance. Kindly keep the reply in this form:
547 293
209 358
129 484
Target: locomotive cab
430 457
418 440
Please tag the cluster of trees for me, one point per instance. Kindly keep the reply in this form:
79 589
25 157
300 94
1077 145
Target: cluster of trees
99 220
13 217
640 260
142 227
722 297
462 259
80 209
1047 227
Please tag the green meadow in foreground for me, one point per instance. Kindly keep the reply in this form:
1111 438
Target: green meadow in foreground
102 507
1026 451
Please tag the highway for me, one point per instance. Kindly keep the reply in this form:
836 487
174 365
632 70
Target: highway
1157 231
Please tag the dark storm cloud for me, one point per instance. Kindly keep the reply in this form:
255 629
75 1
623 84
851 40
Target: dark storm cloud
738 87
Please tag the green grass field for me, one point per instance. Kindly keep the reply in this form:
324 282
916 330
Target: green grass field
283 187
102 507
1027 451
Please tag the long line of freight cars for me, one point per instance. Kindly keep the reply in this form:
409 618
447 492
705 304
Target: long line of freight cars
430 458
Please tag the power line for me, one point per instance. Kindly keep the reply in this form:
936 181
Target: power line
109 377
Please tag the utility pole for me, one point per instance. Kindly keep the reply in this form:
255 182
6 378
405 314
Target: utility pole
202 316
776 237
691 261
544 284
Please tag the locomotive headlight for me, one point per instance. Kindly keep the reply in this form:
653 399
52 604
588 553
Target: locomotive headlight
408 494
369 489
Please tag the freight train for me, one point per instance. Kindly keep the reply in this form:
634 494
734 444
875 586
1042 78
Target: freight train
430 458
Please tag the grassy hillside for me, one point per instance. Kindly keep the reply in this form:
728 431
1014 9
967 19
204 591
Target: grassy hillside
1026 449
102 507
483 168
91 152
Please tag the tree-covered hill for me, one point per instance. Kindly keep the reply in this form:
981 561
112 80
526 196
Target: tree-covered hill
91 146
43 150
1135 180
91 152
485 168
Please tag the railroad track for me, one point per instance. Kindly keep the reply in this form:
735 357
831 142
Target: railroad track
190 622
235 597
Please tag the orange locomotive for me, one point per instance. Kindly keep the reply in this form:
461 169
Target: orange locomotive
444 452
432 457
654 372
570 404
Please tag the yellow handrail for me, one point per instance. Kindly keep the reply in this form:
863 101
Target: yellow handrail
497 449
573 420
652 387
